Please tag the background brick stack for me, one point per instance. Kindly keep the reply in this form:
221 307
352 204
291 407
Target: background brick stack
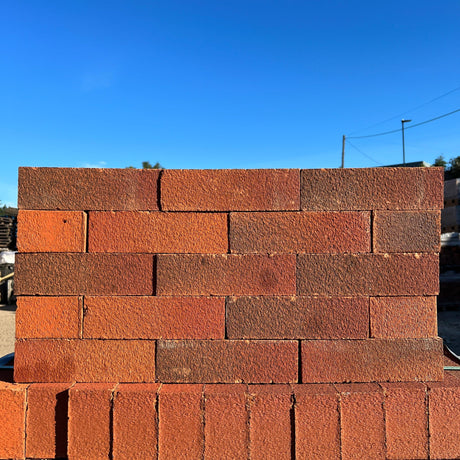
191 314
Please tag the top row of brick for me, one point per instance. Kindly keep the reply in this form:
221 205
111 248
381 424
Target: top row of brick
230 189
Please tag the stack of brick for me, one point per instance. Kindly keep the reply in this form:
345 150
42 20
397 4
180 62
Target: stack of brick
230 314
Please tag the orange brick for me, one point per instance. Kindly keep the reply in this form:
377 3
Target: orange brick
47 411
227 361
403 317
407 231
224 274
367 274
158 232
55 360
90 407
78 274
51 231
181 430
270 317
372 188
371 360
135 426
154 317
48 317
300 232
226 422
317 411
88 189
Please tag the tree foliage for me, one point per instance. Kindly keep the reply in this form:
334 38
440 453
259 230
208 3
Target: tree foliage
451 168
148 165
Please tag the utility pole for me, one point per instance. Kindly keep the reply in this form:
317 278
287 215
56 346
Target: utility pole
402 129
343 151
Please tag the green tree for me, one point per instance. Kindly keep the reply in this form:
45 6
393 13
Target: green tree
440 161
147 165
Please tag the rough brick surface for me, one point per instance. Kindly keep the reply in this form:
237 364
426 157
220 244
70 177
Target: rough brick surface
89 421
407 231
226 422
224 274
230 190
371 360
77 274
88 189
135 426
297 317
62 360
403 317
154 317
372 188
158 232
300 232
367 274
229 361
48 317
47 412
181 430
51 231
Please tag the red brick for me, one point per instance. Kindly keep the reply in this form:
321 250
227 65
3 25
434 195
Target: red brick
57 360
300 232
135 422
403 317
154 317
224 274
88 189
47 411
406 420
230 190
367 274
297 317
48 317
181 430
158 232
371 360
51 231
226 422
13 418
372 188
90 407
270 422
362 421
407 231
317 411
227 361
77 274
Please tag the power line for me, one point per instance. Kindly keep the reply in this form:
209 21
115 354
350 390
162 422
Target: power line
365 154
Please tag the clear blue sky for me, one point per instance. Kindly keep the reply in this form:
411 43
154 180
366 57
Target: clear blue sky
224 84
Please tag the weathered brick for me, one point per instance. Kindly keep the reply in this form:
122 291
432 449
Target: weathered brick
367 274
299 232
317 411
226 422
371 188
403 317
362 421
51 231
227 361
230 190
56 360
139 317
158 232
271 317
77 274
47 412
224 274
371 360
90 408
406 421
48 317
88 189
135 426
407 231
181 430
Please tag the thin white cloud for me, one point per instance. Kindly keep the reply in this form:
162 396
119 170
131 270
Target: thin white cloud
100 164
